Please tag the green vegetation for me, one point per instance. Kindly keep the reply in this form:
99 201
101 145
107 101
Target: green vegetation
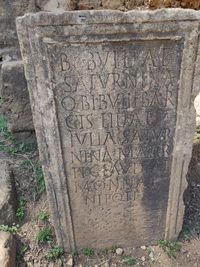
21 252
44 236
25 164
185 233
87 252
170 247
74 253
128 260
20 212
55 254
43 216
11 229
9 144
40 180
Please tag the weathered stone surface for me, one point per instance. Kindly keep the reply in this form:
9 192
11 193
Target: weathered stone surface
197 107
131 4
7 195
7 250
89 4
112 4
112 98
15 98
175 3
52 5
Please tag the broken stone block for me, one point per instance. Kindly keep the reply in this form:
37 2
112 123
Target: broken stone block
7 195
15 97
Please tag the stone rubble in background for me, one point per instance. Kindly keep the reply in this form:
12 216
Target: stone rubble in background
7 250
15 104
7 195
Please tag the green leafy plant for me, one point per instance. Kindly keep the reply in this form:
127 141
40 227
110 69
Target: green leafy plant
4 128
170 247
40 179
21 252
128 260
55 254
185 233
20 212
43 216
44 236
74 253
25 164
87 252
8 143
11 229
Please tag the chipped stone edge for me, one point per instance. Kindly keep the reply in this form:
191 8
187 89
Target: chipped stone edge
108 16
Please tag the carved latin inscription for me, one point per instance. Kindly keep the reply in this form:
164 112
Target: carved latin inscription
116 108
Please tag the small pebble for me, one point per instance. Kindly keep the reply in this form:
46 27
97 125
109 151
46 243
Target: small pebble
143 258
151 255
106 264
119 251
143 247
70 262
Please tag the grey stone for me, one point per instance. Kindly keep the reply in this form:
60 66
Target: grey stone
197 107
15 97
70 262
119 251
112 98
7 250
7 195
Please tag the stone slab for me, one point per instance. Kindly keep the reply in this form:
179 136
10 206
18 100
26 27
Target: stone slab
112 98
15 97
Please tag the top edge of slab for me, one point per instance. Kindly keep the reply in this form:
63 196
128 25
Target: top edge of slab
107 17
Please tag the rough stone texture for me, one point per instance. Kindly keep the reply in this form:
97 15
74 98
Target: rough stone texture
7 250
195 4
15 98
112 98
16 93
131 4
7 195
115 4
52 5
88 4
197 107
